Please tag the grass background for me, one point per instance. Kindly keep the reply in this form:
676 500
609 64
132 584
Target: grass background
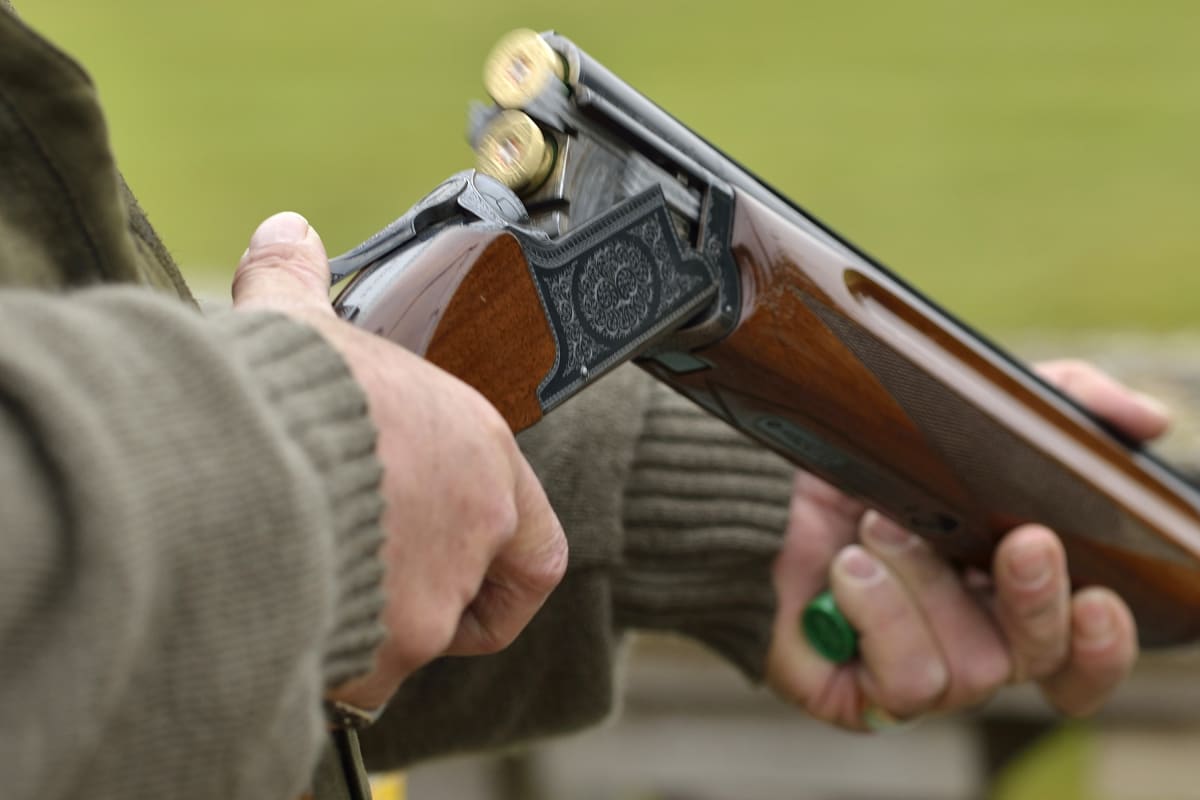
1028 164
1032 165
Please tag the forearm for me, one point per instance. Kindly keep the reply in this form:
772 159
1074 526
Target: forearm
190 512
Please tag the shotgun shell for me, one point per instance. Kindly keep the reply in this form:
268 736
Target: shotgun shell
828 631
519 68
513 150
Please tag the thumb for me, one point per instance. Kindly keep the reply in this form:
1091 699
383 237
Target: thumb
285 268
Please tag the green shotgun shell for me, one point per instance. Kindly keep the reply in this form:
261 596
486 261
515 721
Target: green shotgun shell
830 633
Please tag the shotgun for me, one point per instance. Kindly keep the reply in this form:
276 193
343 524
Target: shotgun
597 229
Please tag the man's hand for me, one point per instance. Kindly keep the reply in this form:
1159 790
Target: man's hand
472 547
930 639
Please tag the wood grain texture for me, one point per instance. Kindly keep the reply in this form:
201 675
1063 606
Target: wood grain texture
466 301
494 334
847 373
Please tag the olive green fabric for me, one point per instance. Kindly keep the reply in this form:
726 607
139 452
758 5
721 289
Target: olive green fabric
189 512
59 176
188 506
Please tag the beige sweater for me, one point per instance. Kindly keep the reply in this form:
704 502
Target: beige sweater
189 512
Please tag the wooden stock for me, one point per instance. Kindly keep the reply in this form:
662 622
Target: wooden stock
847 373
466 301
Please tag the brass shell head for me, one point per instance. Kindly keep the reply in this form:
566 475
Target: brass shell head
519 67
513 150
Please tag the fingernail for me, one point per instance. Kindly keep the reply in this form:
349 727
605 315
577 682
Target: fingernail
287 227
1029 565
1094 621
1153 404
858 564
882 531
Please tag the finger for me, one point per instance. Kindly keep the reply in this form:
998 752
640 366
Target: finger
819 506
1136 414
520 577
284 268
901 667
821 521
972 647
1033 600
1103 651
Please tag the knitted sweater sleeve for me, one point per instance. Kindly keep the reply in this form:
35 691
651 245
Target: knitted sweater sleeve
189 512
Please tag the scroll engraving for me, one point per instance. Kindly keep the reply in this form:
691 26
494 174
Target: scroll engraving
611 286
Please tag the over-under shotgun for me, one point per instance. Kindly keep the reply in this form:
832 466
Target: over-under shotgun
598 229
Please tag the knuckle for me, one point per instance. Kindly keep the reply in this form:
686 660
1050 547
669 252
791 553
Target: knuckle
917 689
983 674
1041 647
248 274
274 259
491 640
499 515
423 638
280 264
480 641
1042 624
439 631
546 570
492 623
495 427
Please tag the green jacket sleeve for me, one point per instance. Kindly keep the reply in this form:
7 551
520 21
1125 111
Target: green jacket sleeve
189 512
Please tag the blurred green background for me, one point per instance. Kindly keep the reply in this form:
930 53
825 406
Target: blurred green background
1029 164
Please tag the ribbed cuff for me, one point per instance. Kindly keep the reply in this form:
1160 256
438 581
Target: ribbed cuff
705 512
323 409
